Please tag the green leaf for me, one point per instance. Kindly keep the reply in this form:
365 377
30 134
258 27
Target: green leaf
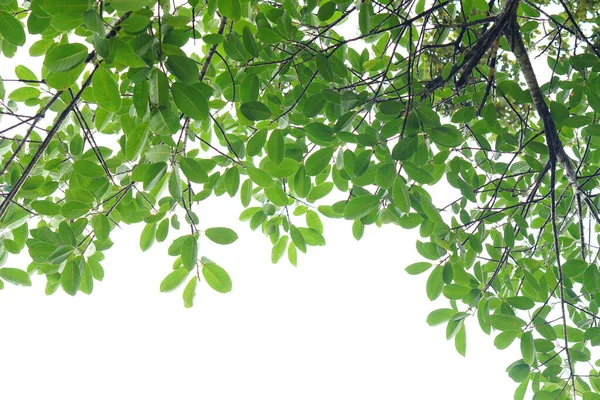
59 255
277 196
255 111
193 170
439 316
70 278
216 277
418 268
528 348
23 94
163 121
175 187
154 174
260 177
268 36
506 322
11 29
141 93
158 153
521 302
358 207
326 10
364 18
184 68
276 147
162 231
136 141
519 372
190 292
430 211
221 235
74 209
405 148
106 91
435 283
15 276
573 268
230 9
159 89
147 236
278 249
400 195
190 101
88 169
249 41
189 252
65 57
101 226
460 341
446 136
297 239
213 38
318 161
129 5
173 280
250 88
46 207
87 280
324 67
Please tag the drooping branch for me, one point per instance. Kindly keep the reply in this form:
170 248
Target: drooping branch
8 199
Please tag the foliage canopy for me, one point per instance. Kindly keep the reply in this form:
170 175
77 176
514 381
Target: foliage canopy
374 111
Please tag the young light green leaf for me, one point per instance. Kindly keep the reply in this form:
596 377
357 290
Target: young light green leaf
189 252
216 277
276 147
101 226
193 170
70 278
528 348
400 195
129 5
435 283
88 169
221 235
190 292
318 161
174 280
439 316
358 207
147 237
11 29
418 268
136 141
460 341
65 57
573 268
15 276
87 280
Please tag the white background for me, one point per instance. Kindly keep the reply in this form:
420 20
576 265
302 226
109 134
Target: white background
347 323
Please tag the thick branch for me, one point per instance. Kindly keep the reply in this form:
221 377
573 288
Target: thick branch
556 150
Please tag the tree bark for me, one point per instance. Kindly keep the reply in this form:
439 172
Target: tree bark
556 150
